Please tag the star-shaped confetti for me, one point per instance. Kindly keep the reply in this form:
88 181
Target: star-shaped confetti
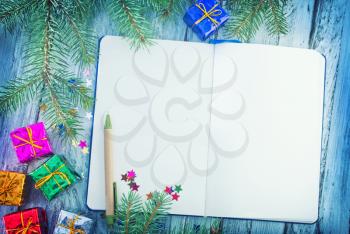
178 188
87 72
74 143
43 107
85 150
82 144
88 115
175 196
125 177
149 196
168 190
135 187
131 175
88 83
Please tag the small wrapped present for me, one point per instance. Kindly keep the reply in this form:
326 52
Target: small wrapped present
68 223
205 17
30 142
11 188
53 176
27 221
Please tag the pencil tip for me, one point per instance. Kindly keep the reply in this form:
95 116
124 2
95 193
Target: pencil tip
108 122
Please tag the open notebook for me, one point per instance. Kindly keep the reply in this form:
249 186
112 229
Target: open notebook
237 125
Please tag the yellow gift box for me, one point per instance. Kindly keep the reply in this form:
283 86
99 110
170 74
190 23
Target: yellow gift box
11 188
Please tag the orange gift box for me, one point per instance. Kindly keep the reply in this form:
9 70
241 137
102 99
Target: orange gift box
11 188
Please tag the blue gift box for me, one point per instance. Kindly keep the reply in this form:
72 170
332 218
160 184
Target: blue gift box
205 17
72 223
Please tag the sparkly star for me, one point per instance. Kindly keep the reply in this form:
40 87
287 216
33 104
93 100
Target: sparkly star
85 150
131 175
74 143
178 188
43 107
73 112
82 144
86 72
149 196
125 177
88 83
88 115
175 196
131 184
135 187
168 190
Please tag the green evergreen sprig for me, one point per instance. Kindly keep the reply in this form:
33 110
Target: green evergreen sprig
249 15
57 32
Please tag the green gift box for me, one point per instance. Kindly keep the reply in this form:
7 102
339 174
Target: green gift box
53 177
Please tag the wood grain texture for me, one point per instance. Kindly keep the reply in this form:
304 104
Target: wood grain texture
316 24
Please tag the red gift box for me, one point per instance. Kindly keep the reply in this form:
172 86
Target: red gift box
30 221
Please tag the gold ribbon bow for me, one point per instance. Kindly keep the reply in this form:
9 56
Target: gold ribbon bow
30 142
51 174
71 226
208 14
25 227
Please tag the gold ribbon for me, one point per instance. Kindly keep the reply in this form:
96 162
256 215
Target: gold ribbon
25 227
43 180
30 142
208 14
71 226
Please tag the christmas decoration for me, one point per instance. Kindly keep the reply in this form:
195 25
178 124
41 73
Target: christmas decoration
30 142
58 32
205 17
26 221
69 223
11 188
53 177
136 215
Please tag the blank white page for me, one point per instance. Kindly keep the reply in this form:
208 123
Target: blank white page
159 103
265 133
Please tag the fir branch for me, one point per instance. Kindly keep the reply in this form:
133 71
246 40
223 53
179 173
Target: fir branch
128 16
12 11
129 208
249 15
275 21
153 211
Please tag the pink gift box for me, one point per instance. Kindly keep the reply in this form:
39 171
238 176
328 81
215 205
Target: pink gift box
30 142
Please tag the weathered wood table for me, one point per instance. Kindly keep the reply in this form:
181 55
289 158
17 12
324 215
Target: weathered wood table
320 25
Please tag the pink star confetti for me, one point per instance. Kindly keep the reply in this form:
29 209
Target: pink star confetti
131 175
135 187
168 190
82 144
175 196
87 72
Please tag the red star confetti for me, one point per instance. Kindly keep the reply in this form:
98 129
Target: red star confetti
168 190
149 196
82 144
175 196
131 175
135 187
125 177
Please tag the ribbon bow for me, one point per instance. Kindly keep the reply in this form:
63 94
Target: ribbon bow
71 226
30 142
25 227
51 174
208 14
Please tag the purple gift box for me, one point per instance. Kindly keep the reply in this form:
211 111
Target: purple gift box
30 142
